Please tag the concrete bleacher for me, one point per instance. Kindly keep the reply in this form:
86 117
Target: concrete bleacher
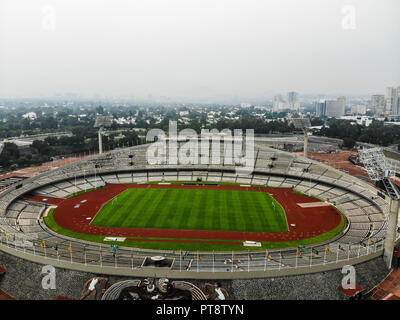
125 177
18 205
110 178
10 181
358 219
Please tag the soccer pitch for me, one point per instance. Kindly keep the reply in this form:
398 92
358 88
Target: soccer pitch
193 209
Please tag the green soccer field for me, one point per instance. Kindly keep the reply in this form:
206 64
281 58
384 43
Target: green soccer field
193 209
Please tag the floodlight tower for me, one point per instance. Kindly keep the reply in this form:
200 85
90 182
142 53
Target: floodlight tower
378 169
101 123
303 124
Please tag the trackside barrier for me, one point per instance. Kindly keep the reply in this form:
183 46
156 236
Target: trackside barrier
180 264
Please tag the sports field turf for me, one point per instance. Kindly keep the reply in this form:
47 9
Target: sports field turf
199 209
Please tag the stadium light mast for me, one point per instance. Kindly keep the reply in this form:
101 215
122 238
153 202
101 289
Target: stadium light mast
378 169
101 123
303 124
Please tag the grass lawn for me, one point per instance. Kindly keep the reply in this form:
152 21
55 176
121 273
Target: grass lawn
193 209
225 210
50 223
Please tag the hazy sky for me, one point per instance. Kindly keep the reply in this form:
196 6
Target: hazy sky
198 48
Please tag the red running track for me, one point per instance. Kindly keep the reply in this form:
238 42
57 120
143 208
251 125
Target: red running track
76 213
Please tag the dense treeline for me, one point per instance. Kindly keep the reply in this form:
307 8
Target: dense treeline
376 133
258 124
45 150
13 125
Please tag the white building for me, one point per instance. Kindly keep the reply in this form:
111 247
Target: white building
245 105
361 120
30 116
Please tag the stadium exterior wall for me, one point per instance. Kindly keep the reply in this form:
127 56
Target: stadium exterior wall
174 274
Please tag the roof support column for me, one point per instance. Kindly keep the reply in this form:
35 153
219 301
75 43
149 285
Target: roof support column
391 232
100 141
305 145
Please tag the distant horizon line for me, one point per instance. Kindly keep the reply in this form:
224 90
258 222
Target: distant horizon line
172 99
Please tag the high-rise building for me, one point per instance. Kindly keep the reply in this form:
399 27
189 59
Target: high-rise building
396 100
331 107
358 109
293 100
392 101
292 97
390 108
279 103
320 108
378 104
342 101
335 108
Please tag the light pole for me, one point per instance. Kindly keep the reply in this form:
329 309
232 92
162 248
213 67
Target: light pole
378 169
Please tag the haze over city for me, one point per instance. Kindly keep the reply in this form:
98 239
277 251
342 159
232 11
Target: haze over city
206 50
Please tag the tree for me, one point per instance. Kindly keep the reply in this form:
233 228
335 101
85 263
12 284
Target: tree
42 147
9 154
349 143
317 122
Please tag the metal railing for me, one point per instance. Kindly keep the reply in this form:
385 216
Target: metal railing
123 258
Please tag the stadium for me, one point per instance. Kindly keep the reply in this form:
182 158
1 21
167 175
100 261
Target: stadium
114 214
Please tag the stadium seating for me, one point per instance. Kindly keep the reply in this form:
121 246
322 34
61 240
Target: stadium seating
358 200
